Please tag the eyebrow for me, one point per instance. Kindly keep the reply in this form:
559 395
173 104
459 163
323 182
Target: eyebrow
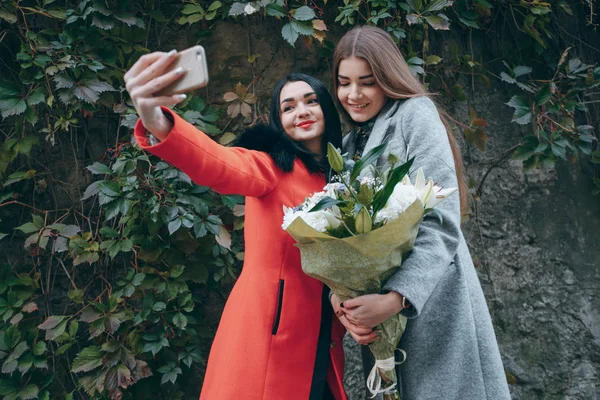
360 77
292 99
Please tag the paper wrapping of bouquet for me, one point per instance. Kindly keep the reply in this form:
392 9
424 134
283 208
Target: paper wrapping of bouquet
359 265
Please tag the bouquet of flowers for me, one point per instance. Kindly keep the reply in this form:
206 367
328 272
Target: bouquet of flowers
353 235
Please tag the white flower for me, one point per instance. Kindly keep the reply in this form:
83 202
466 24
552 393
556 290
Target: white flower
430 194
289 215
312 201
402 197
321 220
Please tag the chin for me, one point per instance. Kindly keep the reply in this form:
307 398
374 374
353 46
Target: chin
359 117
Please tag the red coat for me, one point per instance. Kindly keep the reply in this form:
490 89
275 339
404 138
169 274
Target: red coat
265 346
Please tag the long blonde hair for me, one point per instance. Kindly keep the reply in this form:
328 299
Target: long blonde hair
392 74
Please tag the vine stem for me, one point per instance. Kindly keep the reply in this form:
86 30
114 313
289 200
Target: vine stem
32 207
67 272
495 164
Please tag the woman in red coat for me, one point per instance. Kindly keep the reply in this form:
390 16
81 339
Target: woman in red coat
277 338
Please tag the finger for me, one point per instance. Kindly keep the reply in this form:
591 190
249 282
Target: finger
152 71
356 329
365 339
157 84
143 63
167 101
352 303
353 320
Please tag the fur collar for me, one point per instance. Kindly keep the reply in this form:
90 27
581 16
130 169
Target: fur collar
280 147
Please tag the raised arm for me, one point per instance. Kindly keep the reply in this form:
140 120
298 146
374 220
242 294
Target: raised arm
228 170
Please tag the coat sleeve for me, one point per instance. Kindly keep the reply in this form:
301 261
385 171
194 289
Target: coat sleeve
227 170
424 135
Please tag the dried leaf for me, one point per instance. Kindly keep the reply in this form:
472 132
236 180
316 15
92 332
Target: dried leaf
223 238
246 110
319 25
234 109
238 210
227 138
230 96
30 307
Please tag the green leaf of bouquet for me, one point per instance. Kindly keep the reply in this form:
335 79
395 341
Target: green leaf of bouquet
327 202
366 160
334 158
382 196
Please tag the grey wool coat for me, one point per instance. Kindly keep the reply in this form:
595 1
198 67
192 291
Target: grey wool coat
451 348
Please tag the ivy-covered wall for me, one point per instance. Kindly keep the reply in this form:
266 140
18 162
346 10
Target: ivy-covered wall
114 266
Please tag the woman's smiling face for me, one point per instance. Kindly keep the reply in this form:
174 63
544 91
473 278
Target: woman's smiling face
301 115
358 92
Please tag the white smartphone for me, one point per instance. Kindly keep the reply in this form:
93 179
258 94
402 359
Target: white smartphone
193 61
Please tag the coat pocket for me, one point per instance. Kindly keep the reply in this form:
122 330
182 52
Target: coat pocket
278 311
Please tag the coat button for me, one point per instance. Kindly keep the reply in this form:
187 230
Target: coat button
332 344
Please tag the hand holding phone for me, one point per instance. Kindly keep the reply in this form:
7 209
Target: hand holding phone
193 62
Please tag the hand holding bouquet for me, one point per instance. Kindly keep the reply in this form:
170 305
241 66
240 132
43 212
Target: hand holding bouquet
354 234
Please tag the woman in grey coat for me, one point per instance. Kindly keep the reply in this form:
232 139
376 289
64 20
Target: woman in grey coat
449 340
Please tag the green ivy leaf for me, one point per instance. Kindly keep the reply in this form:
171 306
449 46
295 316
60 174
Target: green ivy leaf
52 334
236 9
30 392
12 107
11 19
8 388
36 97
174 225
543 95
177 271
98 168
88 359
180 320
522 113
438 22
303 28
39 348
289 33
29 227
275 10
303 13
138 279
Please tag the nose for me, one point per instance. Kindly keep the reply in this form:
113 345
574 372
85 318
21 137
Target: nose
302 110
354 92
